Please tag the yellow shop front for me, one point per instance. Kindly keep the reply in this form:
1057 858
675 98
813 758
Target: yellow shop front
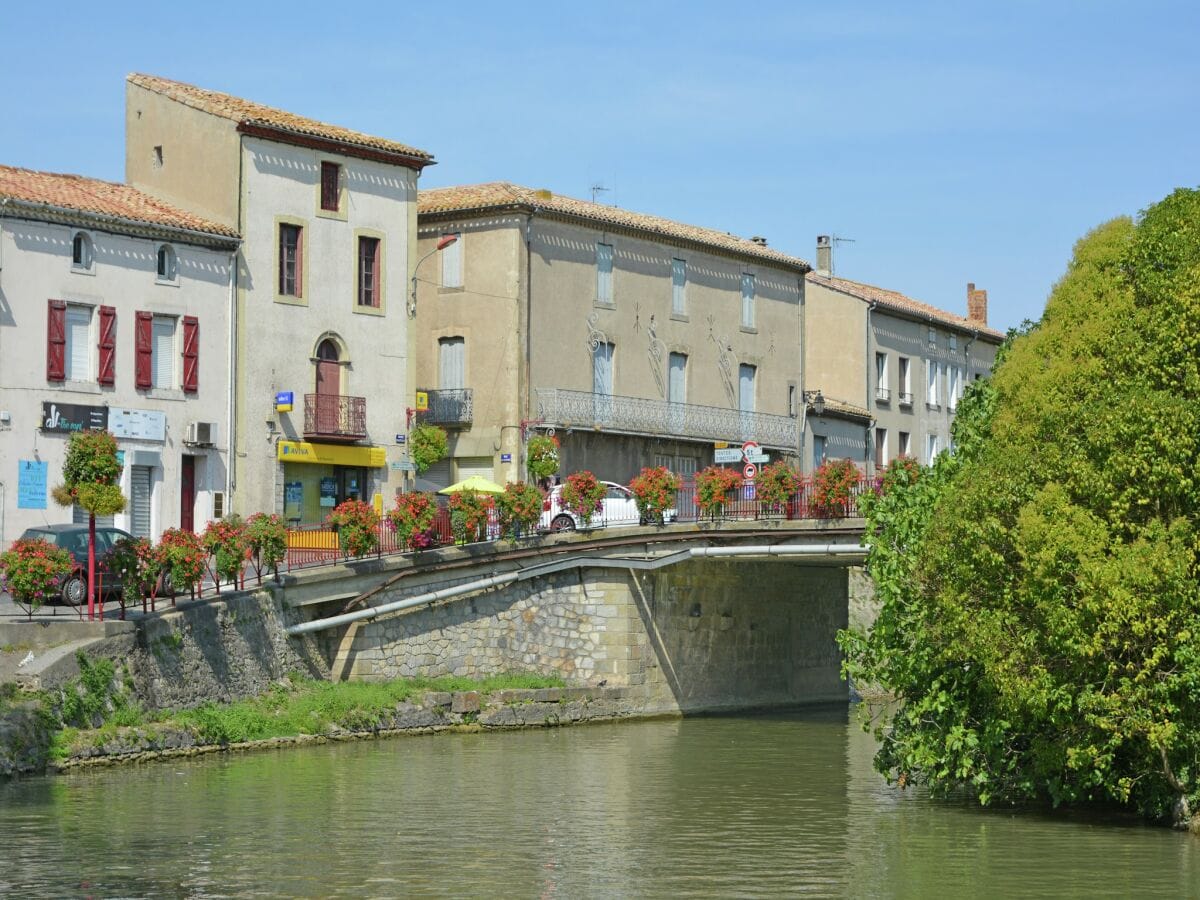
317 477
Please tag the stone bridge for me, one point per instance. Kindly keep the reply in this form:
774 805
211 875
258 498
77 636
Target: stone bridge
686 618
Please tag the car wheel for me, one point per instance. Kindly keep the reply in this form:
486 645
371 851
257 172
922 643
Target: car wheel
74 590
562 523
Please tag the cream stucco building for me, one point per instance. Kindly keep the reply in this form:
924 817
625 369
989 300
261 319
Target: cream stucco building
114 314
905 362
322 367
639 341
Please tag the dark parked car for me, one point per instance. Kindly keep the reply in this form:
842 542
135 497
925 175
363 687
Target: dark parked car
74 539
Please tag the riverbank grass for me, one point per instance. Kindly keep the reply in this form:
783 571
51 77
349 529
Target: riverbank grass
298 707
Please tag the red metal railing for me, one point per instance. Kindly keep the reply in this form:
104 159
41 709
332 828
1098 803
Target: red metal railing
334 415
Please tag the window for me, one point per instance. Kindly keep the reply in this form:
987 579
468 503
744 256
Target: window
881 447
291 260
955 391
604 273
451 363
932 394
747 300
368 272
452 276
331 184
678 287
602 381
167 268
676 390
932 338
881 378
791 401
818 450
746 377
953 343
162 352
78 343
931 448
82 252
905 381
904 443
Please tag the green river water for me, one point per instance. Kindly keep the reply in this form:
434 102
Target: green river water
762 806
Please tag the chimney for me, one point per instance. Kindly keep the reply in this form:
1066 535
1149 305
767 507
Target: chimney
824 255
976 305
759 239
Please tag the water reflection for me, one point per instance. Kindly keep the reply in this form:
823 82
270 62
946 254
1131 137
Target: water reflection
750 806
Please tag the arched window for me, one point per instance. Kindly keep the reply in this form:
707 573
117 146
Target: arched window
81 252
166 263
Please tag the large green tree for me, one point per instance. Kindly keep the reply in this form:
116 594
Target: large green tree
1040 619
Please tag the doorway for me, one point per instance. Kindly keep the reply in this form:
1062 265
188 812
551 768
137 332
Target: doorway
187 493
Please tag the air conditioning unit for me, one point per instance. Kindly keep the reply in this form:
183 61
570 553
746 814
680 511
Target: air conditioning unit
202 433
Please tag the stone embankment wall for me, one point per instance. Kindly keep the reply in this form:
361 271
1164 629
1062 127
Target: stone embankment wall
218 650
705 635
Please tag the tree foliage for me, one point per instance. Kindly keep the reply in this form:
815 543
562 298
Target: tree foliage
1039 586
90 474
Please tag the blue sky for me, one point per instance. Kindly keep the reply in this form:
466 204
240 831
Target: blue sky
952 142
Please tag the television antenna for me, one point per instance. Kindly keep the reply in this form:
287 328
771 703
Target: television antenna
834 240
598 188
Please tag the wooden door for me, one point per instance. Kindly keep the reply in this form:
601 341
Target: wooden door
187 494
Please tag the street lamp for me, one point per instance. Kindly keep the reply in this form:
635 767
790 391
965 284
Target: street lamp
445 241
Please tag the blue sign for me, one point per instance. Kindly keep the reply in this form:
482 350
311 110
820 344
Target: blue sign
505 457
284 400
31 484
401 438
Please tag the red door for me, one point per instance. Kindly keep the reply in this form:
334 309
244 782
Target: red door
329 387
187 494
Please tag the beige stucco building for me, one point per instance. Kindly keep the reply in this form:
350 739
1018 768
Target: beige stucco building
905 362
639 341
114 315
322 368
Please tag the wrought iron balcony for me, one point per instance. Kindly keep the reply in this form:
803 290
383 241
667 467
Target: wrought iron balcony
905 398
638 415
334 417
883 395
449 408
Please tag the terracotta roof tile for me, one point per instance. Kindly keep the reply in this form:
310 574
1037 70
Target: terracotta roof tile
501 194
250 113
894 300
100 198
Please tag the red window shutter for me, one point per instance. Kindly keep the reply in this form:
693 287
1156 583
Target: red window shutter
191 353
56 341
143 345
108 345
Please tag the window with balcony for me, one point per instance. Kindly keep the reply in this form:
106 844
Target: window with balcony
882 393
678 287
451 363
747 375
602 380
604 273
747 300
905 365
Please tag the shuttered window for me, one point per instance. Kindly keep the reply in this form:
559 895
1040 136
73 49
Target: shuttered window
143 343
747 300
56 340
139 500
604 272
435 477
107 345
452 363
746 377
677 378
678 287
79 343
163 351
330 178
191 354
452 262
474 465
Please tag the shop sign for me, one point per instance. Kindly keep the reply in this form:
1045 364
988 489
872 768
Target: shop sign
293 493
284 401
142 424
68 417
330 454
328 491
422 401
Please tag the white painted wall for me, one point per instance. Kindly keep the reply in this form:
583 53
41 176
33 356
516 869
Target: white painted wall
35 266
278 340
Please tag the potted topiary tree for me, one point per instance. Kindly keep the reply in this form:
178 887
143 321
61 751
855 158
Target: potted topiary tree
90 475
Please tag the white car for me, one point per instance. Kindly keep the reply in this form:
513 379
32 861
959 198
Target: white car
617 508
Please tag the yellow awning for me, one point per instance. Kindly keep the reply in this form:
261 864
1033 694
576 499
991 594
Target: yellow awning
331 454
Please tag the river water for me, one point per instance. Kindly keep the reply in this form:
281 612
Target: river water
764 806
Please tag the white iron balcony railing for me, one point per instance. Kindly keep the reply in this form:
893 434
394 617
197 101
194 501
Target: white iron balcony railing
638 415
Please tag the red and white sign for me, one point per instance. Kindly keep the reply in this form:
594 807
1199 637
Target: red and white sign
749 471
750 448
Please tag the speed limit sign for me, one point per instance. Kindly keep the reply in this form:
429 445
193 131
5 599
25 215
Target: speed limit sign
749 471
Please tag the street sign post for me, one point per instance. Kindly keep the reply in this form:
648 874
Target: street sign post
749 471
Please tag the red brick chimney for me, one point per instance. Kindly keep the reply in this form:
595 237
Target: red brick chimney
976 305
